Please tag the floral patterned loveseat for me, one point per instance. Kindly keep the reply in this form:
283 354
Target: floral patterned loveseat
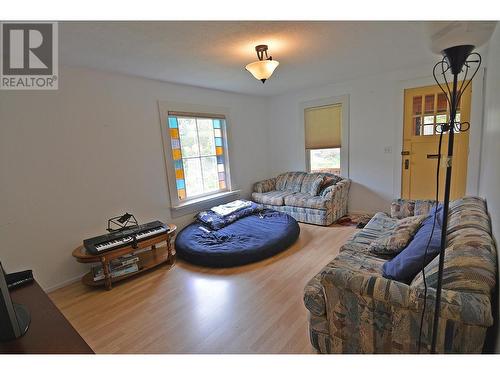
314 198
354 309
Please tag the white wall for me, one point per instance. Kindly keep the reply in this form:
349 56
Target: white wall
489 182
376 118
72 158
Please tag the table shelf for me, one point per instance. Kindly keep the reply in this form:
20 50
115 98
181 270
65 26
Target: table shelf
149 253
147 261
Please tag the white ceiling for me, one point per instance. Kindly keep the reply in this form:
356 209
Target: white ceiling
213 54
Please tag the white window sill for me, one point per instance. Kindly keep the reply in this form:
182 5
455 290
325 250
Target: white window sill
203 203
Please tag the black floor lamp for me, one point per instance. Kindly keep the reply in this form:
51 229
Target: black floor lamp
457 60
455 40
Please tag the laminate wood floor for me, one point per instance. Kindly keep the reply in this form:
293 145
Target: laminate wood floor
256 308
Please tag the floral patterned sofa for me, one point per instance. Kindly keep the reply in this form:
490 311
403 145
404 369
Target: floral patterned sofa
314 198
354 309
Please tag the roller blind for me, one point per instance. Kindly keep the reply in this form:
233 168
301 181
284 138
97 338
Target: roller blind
323 126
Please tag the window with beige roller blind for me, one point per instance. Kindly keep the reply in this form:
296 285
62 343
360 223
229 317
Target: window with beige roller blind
323 127
323 137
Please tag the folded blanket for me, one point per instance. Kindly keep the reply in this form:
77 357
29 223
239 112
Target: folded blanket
215 221
231 207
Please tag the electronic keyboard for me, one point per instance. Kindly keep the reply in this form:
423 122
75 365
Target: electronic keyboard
124 237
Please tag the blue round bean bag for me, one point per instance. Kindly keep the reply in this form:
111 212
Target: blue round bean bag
247 240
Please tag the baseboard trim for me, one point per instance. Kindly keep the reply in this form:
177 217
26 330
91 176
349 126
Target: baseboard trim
63 284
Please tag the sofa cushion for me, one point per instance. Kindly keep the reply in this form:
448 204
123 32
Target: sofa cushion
394 241
469 264
359 262
265 186
305 215
311 183
468 212
274 198
379 224
291 181
401 208
307 201
329 180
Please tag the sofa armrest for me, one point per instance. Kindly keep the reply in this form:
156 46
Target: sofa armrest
338 195
314 298
340 187
265 186
461 307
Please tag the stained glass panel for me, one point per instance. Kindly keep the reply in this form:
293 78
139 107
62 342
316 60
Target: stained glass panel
172 122
176 154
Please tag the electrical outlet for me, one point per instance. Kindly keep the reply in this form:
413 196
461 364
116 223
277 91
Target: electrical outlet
387 150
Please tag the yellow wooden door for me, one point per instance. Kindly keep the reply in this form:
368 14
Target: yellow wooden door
424 107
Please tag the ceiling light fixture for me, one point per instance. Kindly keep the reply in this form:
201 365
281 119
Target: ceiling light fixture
263 68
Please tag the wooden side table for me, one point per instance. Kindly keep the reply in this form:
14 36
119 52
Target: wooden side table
148 259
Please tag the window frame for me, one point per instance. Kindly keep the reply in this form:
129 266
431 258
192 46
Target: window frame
198 111
344 147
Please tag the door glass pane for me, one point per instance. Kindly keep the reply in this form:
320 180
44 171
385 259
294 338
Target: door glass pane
325 160
417 125
189 137
429 103
442 104
210 174
206 137
417 105
428 129
193 177
441 119
428 119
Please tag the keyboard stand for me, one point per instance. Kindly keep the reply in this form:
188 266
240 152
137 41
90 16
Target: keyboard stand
155 254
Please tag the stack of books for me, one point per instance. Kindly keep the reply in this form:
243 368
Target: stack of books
118 267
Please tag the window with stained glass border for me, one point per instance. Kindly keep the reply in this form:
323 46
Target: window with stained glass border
198 151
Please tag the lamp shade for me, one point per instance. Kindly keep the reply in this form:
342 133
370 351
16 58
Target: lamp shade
443 35
262 69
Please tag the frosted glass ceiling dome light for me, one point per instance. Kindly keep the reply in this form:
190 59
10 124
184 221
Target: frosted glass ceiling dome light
263 68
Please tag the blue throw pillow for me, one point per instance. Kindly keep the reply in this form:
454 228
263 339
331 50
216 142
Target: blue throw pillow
408 263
